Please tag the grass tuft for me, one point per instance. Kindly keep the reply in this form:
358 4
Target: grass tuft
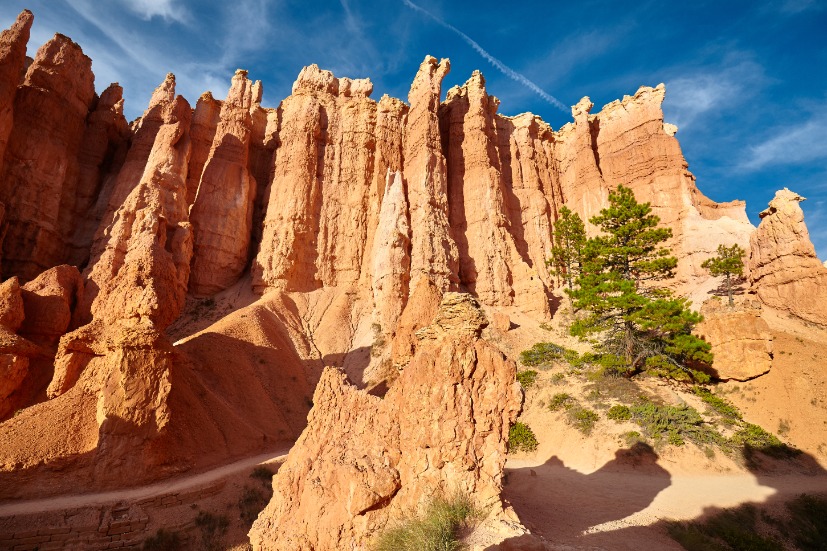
434 530
521 438
527 378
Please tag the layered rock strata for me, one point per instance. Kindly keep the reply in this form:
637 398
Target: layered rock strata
783 267
363 461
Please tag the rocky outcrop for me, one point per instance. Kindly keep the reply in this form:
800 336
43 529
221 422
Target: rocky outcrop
12 62
205 120
783 267
741 340
628 143
490 264
222 214
140 274
363 461
49 301
39 180
103 150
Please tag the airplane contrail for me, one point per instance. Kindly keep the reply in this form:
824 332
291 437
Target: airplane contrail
499 65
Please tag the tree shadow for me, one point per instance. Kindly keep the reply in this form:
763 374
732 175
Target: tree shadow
739 287
560 505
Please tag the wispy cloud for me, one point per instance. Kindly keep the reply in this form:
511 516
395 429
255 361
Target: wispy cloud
790 144
499 65
170 10
710 90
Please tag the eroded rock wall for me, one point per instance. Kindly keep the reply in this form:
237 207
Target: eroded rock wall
363 460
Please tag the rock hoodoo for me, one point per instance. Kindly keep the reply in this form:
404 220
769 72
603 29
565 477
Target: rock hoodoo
272 242
783 267
363 460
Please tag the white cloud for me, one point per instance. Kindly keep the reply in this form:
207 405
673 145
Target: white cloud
169 10
790 144
709 91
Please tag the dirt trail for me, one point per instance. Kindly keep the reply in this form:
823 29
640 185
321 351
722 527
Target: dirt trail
619 506
75 501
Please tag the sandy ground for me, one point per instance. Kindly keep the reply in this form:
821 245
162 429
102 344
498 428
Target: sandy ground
136 494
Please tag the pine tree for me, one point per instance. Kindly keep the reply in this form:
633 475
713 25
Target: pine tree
569 241
729 263
637 323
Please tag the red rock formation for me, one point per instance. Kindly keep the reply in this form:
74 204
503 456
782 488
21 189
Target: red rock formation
434 254
139 272
628 143
40 173
783 267
222 213
490 265
49 301
363 461
205 119
741 340
12 62
102 152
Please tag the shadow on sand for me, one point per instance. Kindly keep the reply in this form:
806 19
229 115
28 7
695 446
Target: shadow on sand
567 508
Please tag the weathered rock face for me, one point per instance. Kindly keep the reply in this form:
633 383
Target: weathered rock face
783 267
628 143
49 301
363 460
740 338
205 119
222 214
490 264
39 180
102 152
12 62
141 272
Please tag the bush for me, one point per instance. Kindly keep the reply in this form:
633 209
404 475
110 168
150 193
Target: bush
675 424
582 419
264 474
718 404
633 437
752 437
213 528
250 504
521 438
434 530
162 541
561 400
541 353
527 378
619 413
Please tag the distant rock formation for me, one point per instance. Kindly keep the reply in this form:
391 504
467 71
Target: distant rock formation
363 461
783 267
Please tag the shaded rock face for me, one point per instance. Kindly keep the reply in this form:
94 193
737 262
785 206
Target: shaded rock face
363 461
783 267
741 340
41 169
222 214
12 62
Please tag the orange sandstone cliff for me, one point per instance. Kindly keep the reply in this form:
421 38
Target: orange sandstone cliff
229 252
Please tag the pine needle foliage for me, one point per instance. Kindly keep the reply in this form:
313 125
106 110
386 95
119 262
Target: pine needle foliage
627 312
729 262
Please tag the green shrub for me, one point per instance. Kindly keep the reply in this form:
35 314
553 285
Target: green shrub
728 530
558 378
263 474
527 378
541 353
162 541
582 419
632 437
752 437
521 438
675 424
250 504
619 413
561 400
718 404
213 528
434 530
808 521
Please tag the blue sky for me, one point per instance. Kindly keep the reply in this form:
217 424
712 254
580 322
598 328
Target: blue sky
746 81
